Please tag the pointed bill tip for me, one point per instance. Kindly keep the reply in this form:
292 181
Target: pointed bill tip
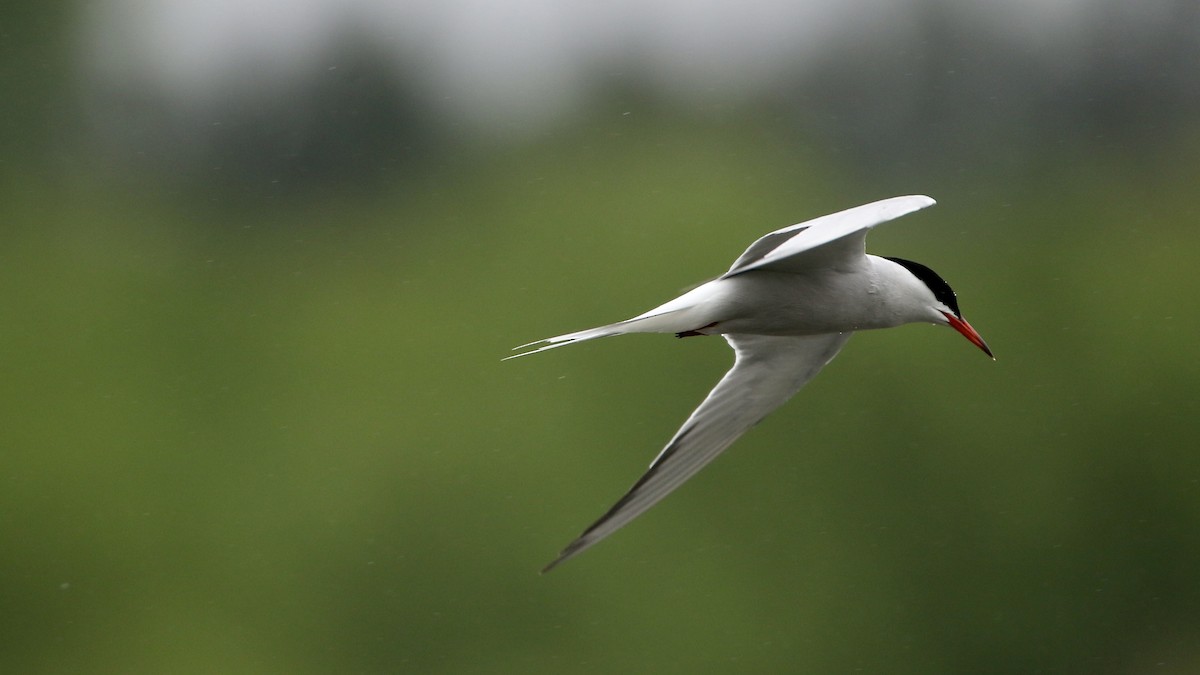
970 333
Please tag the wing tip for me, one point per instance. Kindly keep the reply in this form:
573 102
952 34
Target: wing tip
573 549
915 202
921 201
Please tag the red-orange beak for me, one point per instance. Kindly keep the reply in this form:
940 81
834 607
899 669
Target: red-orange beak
970 333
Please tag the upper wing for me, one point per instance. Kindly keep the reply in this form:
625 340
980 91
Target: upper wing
827 240
767 371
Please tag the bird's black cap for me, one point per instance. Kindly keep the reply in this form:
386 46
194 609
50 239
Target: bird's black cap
941 290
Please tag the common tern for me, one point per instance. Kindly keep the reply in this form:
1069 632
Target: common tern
786 307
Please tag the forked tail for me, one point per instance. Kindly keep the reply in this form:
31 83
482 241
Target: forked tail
654 321
568 339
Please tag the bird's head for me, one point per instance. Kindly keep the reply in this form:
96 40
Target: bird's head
944 309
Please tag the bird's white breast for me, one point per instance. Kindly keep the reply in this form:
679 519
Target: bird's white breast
826 301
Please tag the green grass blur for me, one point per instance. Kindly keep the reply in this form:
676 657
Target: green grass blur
279 438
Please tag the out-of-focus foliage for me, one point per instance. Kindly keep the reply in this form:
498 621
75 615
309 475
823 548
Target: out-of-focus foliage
274 434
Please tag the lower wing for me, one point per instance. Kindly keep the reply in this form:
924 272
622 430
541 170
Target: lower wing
766 372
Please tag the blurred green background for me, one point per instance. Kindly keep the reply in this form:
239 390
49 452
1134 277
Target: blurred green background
259 263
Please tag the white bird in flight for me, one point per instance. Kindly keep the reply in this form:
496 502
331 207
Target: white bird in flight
786 306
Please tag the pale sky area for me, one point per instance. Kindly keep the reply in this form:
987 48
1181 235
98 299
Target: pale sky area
519 60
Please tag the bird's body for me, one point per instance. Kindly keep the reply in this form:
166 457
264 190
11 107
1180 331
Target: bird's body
786 306
766 302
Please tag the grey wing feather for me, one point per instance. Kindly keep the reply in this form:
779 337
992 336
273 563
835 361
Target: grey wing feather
836 239
765 244
767 371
